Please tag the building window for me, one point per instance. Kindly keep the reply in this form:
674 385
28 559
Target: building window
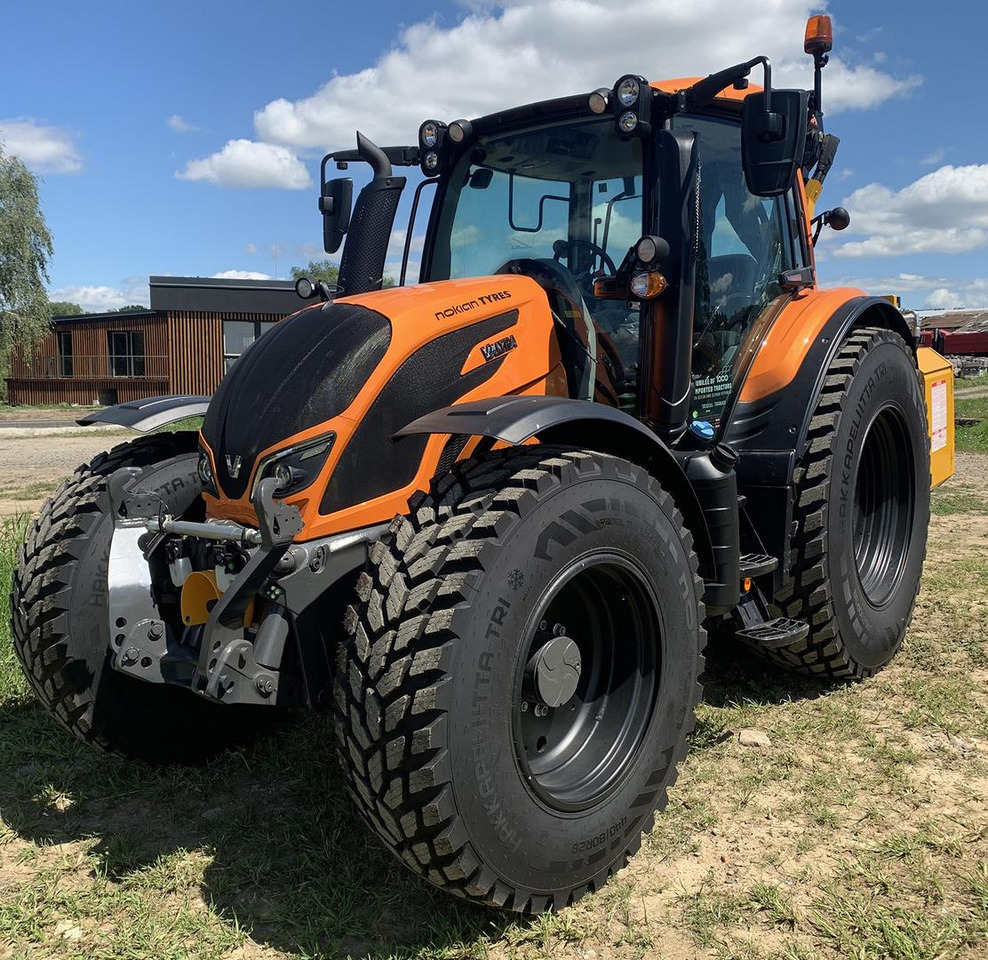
126 353
65 353
238 335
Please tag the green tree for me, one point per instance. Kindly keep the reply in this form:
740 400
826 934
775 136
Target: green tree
65 308
324 270
130 308
25 249
327 271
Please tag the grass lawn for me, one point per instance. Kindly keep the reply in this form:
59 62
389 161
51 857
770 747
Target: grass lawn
860 832
973 439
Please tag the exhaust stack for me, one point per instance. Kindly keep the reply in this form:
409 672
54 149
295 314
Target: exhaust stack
362 264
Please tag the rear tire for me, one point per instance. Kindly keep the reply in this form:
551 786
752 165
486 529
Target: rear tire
502 805
59 620
862 512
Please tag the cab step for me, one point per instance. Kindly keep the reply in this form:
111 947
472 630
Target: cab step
773 634
757 564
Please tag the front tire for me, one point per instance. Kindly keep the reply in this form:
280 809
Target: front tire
564 580
59 620
862 512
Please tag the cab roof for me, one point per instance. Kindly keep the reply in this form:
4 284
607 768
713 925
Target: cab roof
682 83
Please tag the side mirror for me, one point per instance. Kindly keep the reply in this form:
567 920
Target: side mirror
335 204
773 138
481 178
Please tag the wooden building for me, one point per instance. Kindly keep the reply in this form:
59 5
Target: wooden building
194 331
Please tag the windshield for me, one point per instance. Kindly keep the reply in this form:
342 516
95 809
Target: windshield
517 194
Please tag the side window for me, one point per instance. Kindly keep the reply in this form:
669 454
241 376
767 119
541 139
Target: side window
744 247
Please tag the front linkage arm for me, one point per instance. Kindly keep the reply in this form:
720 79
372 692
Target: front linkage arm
228 666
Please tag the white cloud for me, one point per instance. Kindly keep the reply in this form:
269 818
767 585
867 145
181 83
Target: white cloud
516 51
244 163
919 291
42 147
98 299
944 299
934 158
945 211
250 249
181 126
240 275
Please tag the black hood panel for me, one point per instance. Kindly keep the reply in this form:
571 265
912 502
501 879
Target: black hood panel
306 370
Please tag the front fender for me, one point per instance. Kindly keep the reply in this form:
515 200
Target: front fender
149 414
581 424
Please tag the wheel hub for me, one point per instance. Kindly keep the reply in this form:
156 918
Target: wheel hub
588 681
555 671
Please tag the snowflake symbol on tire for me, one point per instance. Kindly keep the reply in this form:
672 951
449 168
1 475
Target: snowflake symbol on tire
516 579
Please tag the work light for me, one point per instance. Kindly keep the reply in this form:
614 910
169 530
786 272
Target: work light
429 134
459 130
628 121
598 100
431 161
628 91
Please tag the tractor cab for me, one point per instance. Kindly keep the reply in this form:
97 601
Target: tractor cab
657 218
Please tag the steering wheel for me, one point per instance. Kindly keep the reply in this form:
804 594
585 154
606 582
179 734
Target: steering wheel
598 255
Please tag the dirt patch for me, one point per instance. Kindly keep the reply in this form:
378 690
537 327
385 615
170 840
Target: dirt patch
31 467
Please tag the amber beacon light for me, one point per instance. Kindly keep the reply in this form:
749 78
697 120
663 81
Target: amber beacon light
819 37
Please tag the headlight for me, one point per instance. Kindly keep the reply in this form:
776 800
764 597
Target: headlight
628 91
204 468
431 161
296 467
284 474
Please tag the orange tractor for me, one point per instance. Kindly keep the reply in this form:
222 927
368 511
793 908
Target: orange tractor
487 520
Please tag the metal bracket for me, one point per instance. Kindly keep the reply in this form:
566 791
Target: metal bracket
226 665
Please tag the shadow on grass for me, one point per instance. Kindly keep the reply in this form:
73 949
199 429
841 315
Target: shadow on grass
288 858
735 675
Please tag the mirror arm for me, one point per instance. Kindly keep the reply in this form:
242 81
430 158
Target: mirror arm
705 90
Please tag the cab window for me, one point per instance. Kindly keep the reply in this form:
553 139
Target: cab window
742 252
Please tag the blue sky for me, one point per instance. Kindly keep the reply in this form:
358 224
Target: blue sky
185 138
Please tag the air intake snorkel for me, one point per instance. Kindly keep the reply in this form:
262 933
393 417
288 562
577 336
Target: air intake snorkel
362 264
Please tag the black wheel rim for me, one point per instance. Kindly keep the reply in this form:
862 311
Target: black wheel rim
884 503
572 756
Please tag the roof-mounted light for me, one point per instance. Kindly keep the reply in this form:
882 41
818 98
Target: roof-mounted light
459 130
598 100
628 121
429 134
819 38
628 91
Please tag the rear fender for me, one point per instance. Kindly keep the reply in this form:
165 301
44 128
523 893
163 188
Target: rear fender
769 416
580 424
774 404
